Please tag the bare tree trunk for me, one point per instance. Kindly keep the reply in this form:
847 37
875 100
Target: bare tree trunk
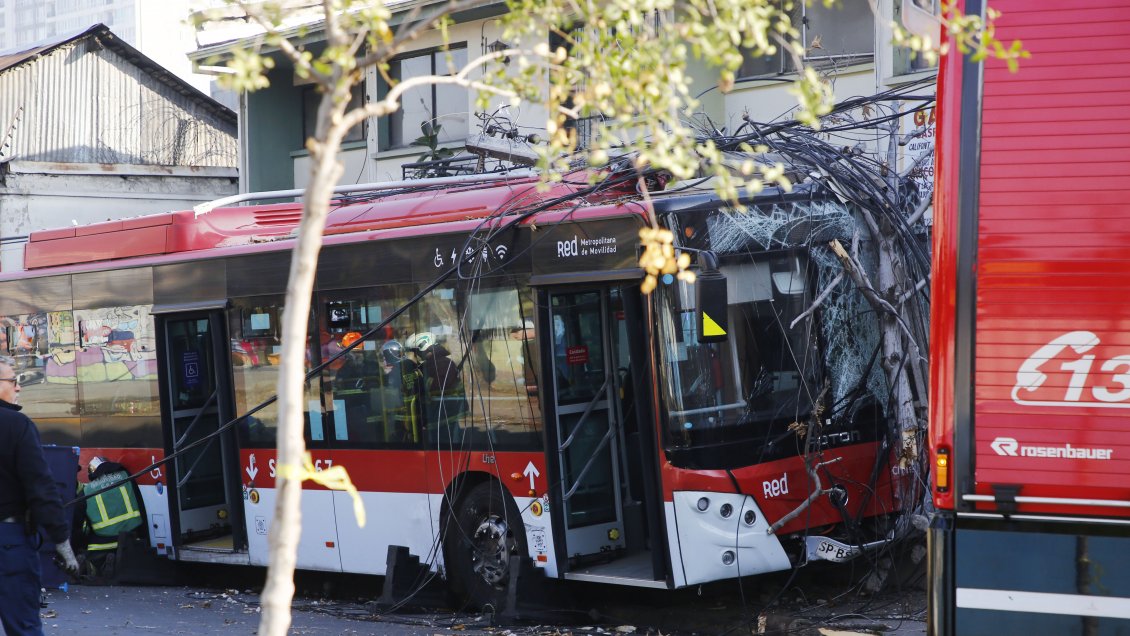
287 525
897 356
899 353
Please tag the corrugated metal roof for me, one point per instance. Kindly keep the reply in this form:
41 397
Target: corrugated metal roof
8 59
101 35
90 98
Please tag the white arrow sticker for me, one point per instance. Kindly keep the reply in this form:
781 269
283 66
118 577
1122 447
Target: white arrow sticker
531 472
251 469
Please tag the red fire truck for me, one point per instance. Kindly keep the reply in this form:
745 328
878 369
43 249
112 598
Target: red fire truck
1030 342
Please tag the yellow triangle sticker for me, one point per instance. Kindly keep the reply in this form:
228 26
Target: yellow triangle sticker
711 328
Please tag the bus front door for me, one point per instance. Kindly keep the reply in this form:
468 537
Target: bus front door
196 401
587 431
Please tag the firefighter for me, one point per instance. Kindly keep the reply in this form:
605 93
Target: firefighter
404 374
108 514
443 387
352 384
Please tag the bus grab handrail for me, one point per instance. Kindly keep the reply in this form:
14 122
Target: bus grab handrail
1059 501
188 473
585 415
710 409
196 419
592 459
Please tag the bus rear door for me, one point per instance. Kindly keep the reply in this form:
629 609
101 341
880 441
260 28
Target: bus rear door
196 399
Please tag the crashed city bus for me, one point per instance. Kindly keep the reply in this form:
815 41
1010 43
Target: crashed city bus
591 429
1030 348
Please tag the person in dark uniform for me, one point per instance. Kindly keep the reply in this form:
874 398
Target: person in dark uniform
443 388
404 374
29 500
352 384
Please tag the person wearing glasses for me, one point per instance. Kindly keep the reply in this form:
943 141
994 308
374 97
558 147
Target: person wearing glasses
29 499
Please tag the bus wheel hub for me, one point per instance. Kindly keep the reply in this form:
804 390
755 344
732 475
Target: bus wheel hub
490 550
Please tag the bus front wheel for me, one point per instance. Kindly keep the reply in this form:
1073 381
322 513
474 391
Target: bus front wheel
485 532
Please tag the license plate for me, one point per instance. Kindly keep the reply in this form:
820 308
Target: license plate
829 550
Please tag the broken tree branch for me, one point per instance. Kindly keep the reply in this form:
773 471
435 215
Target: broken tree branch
819 299
856 272
816 492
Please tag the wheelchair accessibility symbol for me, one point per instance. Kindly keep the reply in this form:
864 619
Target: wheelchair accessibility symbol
190 367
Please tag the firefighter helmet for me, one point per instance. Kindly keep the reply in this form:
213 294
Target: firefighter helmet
392 352
421 341
94 463
349 339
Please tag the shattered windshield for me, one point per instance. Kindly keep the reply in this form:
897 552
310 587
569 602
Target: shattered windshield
763 378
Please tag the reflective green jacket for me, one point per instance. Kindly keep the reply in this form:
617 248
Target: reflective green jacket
115 510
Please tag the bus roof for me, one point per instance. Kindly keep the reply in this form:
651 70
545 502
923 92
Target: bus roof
187 231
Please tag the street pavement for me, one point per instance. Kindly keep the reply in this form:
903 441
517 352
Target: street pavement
811 601
120 610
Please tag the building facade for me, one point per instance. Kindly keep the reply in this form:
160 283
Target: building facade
849 43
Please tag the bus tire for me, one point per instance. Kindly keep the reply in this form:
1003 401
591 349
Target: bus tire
485 531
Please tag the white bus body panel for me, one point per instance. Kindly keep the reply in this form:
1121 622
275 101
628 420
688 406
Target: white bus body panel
405 519
318 543
702 539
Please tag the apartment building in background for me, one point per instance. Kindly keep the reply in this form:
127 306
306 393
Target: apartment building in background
157 28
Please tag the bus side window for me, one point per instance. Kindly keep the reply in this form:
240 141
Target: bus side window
114 368
500 368
440 356
368 391
45 366
255 347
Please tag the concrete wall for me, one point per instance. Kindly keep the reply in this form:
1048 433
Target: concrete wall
355 159
37 196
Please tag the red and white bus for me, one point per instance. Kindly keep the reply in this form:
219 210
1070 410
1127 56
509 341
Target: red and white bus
1030 344
585 427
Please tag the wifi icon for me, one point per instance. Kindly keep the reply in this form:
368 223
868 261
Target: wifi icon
501 251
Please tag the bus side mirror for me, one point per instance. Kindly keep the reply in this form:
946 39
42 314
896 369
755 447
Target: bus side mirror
712 307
